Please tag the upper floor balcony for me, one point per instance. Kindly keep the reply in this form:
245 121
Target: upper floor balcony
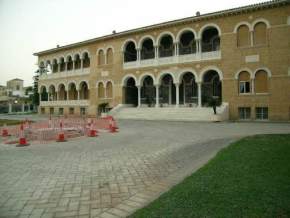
65 67
186 47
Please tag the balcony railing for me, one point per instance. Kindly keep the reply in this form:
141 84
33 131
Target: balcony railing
200 56
65 103
64 74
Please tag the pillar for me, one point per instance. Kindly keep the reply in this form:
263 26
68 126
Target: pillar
82 63
9 108
252 37
176 49
177 94
157 95
156 52
74 64
199 93
170 94
22 108
139 96
78 94
253 86
67 96
197 46
138 54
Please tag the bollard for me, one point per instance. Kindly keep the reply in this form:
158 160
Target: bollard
5 131
22 139
60 137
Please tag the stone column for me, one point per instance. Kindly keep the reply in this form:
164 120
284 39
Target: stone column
138 54
79 94
156 52
170 94
74 64
199 93
253 86
9 108
252 37
157 95
177 94
48 96
139 96
22 108
82 63
197 46
67 95
176 49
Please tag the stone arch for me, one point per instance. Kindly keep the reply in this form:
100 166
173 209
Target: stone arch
101 89
163 34
109 55
244 69
262 80
260 33
243 23
128 41
128 76
243 36
84 90
187 29
142 77
206 69
162 74
143 38
130 51
101 56
209 25
184 71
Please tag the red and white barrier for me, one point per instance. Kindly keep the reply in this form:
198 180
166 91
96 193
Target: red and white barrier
22 139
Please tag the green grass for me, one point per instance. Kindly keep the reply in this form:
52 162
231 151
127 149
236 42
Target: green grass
250 178
9 122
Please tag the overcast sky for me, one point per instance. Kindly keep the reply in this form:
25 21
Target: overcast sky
28 26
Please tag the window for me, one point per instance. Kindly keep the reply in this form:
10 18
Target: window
261 113
71 110
245 87
243 36
17 87
60 111
261 82
42 110
260 34
51 110
83 111
244 82
244 113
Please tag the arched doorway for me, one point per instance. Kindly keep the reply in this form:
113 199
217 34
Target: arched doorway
148 91
188 89
84 91
211 88
131 92
167 90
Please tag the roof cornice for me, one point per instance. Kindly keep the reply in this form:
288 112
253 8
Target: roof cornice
223 13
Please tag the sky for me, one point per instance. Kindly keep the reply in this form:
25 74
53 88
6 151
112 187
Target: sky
28 26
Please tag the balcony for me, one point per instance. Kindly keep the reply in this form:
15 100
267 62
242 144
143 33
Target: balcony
65 74
213 55
65 103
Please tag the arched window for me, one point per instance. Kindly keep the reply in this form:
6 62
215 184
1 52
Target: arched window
84 90
260 33
147 49
72 92
261 82
54 66
101 57
69 63
101 90
77 60
110 57
130 53
109 90
86 60
210 40
244 82
166 46
62 95
243 36
61 65
187 43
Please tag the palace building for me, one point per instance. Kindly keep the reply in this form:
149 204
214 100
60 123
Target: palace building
237 59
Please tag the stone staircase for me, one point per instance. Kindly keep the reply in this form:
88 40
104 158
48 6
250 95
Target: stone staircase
172 113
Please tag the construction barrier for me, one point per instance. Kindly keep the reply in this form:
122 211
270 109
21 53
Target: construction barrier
56 128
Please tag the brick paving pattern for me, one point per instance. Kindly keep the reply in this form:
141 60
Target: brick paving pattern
114 174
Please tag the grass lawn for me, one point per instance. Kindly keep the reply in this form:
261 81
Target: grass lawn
250 178
9 122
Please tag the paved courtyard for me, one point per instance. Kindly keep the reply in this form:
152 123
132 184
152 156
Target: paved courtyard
114 174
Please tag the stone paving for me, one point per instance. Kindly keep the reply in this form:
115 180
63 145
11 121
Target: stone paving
114 174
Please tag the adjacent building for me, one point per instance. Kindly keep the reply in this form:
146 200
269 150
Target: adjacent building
238 59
